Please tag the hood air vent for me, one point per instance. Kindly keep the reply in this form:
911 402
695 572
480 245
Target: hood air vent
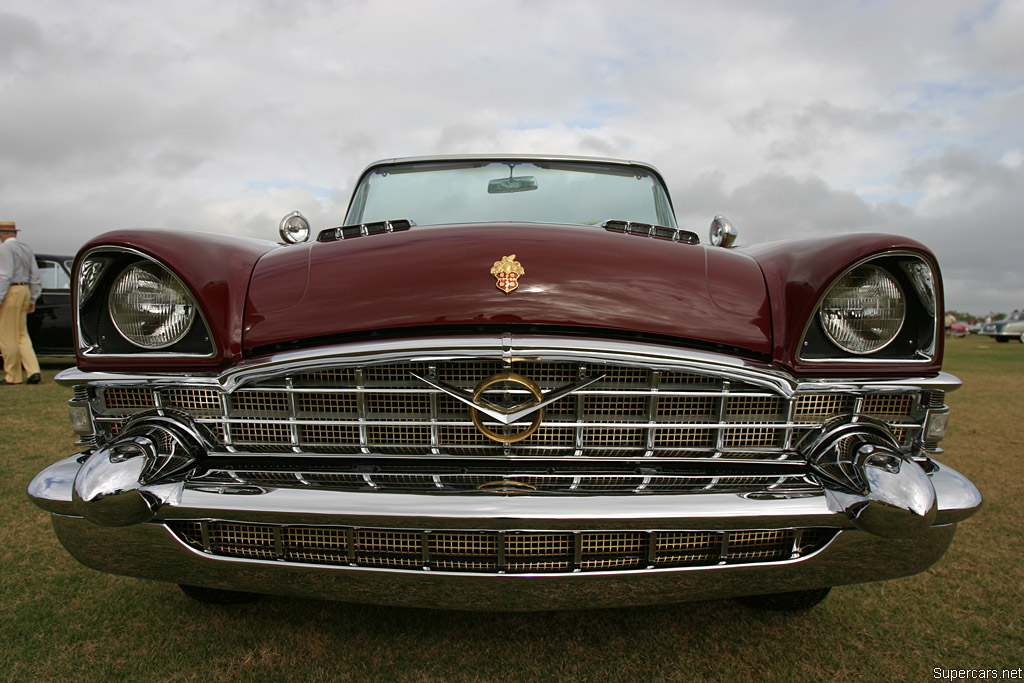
657 231
350 231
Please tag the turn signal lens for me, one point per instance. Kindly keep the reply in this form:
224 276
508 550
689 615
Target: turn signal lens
89 274
923 278
150 307
863 311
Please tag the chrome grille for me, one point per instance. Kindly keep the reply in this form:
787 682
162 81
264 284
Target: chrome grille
631 412
512 552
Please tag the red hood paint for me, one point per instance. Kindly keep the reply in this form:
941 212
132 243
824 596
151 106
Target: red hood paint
576 276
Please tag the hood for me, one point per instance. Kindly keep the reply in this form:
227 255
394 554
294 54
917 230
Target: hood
575 276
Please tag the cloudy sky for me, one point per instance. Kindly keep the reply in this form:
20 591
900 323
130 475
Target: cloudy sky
791 118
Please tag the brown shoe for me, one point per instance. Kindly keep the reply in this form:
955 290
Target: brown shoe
34 379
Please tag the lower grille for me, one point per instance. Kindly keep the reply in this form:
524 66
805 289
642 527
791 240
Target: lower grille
494 552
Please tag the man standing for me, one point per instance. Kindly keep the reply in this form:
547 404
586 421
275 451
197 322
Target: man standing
20 286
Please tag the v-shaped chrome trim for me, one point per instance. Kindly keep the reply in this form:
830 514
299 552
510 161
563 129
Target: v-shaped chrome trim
507 416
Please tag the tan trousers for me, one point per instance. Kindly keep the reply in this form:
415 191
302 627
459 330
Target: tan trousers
15 344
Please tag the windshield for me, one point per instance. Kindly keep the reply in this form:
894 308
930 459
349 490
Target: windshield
535 192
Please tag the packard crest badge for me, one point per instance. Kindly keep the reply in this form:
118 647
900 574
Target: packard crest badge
507 270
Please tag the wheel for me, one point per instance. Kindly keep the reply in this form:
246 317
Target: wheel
786 602
1022 337
1002 340
218 596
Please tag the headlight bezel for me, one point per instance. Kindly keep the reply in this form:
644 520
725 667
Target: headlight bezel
918 337
99 336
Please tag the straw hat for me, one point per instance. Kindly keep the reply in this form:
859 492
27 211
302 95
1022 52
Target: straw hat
7 226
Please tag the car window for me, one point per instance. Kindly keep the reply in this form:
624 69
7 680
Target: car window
53 275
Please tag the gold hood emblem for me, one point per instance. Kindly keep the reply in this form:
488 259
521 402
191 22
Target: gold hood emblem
507 270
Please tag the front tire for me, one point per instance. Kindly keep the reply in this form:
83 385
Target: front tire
792 601
218 596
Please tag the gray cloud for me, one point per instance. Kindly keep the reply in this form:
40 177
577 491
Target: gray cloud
792 119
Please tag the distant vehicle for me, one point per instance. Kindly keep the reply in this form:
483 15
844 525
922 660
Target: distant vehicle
975 328
959 329
1007 329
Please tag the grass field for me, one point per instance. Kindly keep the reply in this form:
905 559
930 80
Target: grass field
61 621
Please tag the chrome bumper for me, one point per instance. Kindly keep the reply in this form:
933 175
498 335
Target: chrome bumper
151 550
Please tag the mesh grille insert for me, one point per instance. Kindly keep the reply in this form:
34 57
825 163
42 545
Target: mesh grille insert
499 552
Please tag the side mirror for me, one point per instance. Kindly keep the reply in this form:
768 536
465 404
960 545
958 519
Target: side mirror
722 232
294 228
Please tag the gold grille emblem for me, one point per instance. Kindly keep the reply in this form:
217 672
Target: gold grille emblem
514 379
515 385
507 271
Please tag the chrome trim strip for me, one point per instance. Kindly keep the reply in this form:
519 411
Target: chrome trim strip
490 347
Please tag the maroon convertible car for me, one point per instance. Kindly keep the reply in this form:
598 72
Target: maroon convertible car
507 383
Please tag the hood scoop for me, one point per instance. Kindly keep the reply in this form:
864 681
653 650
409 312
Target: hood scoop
352 231
656 231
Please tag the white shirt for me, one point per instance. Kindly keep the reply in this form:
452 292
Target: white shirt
18 264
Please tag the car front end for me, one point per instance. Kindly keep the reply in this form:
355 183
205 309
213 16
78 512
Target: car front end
507 414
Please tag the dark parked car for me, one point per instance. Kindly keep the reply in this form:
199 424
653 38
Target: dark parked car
50 326
507 383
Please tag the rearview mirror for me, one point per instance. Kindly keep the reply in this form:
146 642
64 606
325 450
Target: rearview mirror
503 185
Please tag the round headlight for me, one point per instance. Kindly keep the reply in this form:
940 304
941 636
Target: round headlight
863 311
150 307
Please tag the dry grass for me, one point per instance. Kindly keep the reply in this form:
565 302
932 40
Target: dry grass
61 621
